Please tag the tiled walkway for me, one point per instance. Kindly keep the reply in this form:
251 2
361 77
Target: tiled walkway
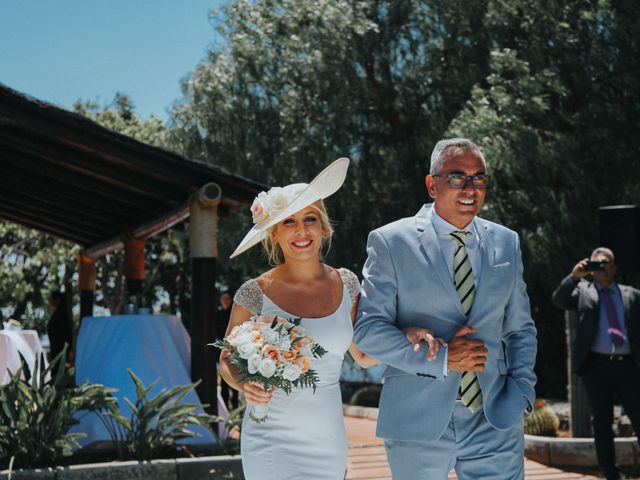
367 459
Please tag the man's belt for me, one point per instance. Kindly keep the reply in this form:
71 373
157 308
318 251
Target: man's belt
611 357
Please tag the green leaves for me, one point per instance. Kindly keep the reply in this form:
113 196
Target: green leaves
36 414
156 423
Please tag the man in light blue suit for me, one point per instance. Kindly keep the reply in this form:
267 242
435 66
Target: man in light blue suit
460 276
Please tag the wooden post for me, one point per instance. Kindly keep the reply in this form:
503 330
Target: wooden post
203 244
86 283
133 265
580 421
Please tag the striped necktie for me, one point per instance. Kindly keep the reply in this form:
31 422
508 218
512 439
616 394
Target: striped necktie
470 392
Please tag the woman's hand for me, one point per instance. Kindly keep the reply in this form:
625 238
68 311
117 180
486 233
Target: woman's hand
255 394
415 335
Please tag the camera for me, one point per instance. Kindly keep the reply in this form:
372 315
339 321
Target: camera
595 266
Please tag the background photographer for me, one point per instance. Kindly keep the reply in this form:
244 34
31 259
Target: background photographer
606 350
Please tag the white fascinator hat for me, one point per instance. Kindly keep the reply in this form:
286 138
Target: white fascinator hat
278 203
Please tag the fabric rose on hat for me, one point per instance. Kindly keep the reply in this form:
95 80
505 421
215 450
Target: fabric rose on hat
259 210
278 200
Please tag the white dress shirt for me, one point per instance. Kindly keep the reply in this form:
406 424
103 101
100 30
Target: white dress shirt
471 242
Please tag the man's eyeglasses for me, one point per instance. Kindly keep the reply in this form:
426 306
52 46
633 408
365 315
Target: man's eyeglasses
458 180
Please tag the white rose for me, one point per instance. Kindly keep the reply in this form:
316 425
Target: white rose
270 336
252 363
306 351
291 372
246 350
265 319
241 339
285 344
278 200
267 367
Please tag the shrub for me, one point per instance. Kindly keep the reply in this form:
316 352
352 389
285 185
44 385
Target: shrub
37 410
155 424
542 421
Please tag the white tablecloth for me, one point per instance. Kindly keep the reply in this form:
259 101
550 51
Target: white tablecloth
12 344
154 347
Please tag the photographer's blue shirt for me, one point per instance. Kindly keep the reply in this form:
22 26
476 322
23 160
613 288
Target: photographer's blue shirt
603 343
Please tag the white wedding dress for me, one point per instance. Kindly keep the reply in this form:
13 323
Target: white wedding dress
304 435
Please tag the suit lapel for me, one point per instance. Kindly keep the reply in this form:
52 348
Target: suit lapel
626 302
487 260
593 294
431 248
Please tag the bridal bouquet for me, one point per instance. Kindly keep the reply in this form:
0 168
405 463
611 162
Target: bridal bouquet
273 351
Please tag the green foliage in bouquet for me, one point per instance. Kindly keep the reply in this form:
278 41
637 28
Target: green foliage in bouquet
155 424
37 412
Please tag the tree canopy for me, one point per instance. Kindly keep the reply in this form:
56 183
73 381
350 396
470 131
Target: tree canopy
548 89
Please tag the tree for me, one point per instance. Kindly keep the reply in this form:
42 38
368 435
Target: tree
32 265
300 83
549 89
553 121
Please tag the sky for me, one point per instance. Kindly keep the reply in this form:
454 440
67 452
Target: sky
60 51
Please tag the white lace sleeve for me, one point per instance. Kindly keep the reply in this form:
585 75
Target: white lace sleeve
249 296
352 283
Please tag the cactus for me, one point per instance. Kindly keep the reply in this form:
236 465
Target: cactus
542 421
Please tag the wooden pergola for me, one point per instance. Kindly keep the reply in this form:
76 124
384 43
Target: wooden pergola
65 175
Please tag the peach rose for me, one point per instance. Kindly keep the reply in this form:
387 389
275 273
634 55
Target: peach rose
303 363
269 351
288 356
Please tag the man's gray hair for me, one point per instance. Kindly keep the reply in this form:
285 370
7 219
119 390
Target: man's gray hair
450 147
606 251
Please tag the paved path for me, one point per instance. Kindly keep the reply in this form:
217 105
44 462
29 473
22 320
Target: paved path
368 461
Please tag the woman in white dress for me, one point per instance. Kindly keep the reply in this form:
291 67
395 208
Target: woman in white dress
304 434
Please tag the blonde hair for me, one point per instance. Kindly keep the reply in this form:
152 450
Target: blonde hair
273 250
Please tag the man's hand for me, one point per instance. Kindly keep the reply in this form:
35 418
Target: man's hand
579 270
466 354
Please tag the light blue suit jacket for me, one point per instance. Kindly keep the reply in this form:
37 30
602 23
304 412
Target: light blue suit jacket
406 283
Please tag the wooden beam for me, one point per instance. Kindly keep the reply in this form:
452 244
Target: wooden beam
33 115
59 201
73 181
66 157
30 222
49 214
142 232
55 123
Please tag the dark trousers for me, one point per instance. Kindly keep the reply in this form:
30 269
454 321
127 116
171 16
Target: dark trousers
603 377
229 395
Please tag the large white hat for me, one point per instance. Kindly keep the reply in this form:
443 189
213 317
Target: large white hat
273 206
